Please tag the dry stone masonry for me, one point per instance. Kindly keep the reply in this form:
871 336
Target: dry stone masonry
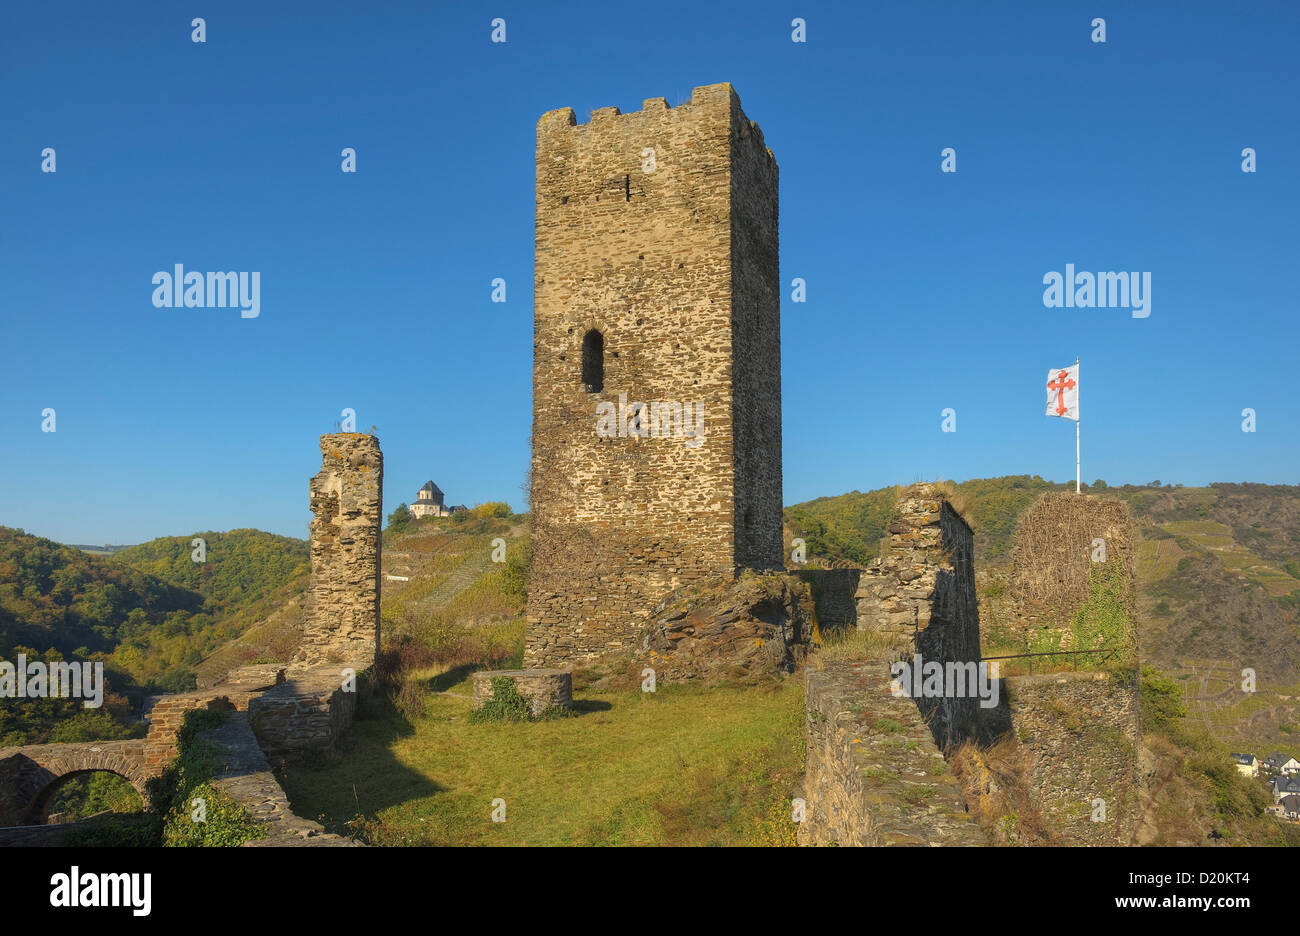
342 626
1081 739
657 295
245 776
920 595
757 625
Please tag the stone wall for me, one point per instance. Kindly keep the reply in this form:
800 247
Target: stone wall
835 595
875 775
676 270
342 625
305 714
43 836
919 596
245 776
757 625
1081 736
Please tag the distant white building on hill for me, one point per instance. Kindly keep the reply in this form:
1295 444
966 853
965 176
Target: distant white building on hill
428 503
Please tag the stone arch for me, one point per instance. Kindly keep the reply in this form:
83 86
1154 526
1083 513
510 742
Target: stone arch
36 774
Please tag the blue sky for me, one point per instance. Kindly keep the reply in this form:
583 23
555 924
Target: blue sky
924 289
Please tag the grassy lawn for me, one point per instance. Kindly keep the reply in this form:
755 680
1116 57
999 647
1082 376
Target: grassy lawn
682 766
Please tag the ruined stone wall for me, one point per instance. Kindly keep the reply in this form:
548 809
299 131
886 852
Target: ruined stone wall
677 270
342 624
875 775
919 595
305 714
245 776
1081 736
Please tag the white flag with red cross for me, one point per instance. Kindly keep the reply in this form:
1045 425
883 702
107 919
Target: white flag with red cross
1063 392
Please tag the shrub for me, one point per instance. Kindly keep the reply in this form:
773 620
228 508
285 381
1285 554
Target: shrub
491 509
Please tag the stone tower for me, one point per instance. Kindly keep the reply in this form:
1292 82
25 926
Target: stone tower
342 620
656 365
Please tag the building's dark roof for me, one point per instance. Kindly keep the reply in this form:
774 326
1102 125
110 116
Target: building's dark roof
1290 803
430 486
1243 758
1277 759
1286 784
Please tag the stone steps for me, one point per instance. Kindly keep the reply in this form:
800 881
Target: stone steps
464 575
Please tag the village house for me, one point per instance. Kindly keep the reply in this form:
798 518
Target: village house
1247 764
1283 786
1279 763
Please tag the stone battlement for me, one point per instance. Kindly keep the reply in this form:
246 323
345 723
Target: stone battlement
714 99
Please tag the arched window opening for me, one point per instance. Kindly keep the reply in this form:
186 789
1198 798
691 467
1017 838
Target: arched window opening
593 361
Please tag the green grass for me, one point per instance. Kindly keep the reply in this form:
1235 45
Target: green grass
684 765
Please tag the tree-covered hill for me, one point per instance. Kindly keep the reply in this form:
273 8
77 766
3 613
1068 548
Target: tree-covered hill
55 596
150 612
239 567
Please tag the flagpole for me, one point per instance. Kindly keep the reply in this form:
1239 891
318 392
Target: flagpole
1078 412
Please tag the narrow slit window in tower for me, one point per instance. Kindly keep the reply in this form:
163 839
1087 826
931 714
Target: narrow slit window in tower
593 361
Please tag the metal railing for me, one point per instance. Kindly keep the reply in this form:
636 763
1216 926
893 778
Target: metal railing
1052 653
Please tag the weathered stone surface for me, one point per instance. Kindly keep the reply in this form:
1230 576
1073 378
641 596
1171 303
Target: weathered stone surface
342 625
834 593
757 624
245 776
920 594
875 775
307 713
677 271
543 688
1081 735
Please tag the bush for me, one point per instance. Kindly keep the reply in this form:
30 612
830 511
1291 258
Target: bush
491 509
409 700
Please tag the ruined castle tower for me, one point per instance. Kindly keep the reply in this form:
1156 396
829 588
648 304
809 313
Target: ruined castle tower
656 365
342 625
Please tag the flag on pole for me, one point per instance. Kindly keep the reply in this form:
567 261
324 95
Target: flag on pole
1063 392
